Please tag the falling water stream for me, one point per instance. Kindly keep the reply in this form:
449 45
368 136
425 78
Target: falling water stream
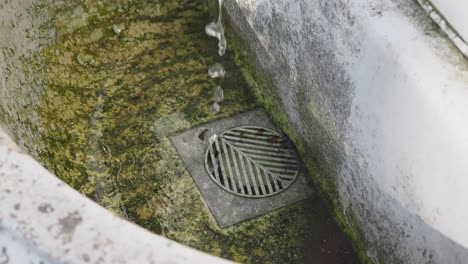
216 70
216 30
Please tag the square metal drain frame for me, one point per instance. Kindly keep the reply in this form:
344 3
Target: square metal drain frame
228 208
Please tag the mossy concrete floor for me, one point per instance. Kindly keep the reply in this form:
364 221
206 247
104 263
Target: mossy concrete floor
116 78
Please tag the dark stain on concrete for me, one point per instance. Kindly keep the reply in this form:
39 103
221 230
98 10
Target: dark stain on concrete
4 258
69 223
85 258
45 208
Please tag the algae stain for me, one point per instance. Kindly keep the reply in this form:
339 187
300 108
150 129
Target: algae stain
117 78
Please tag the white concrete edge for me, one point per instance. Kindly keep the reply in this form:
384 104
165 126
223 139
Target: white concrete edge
43 220
445 26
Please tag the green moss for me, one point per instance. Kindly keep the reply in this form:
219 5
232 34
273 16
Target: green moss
322 175
106 101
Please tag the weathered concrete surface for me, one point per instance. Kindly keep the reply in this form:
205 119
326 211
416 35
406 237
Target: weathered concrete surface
376 97
43 219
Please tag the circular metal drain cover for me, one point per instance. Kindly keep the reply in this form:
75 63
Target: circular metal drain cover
251 161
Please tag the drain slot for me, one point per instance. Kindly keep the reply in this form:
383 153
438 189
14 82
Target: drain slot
251 161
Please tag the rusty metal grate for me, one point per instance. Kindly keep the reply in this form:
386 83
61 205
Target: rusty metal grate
251 161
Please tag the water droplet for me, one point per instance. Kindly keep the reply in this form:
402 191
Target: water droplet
215 108
80 59
219 94
216 70
78 11
117 28
85 59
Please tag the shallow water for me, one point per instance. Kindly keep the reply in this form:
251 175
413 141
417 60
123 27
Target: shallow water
118 78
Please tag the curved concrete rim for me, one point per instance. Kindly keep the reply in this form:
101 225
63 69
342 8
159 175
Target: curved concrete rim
44 219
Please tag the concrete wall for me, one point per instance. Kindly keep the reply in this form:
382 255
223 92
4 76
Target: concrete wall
377 98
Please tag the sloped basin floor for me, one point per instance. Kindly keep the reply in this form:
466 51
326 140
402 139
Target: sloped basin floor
118 78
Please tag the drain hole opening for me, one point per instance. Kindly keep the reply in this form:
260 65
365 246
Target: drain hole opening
202 134
273 186
280 185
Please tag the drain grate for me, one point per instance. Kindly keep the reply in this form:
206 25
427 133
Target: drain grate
251 161
256 136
